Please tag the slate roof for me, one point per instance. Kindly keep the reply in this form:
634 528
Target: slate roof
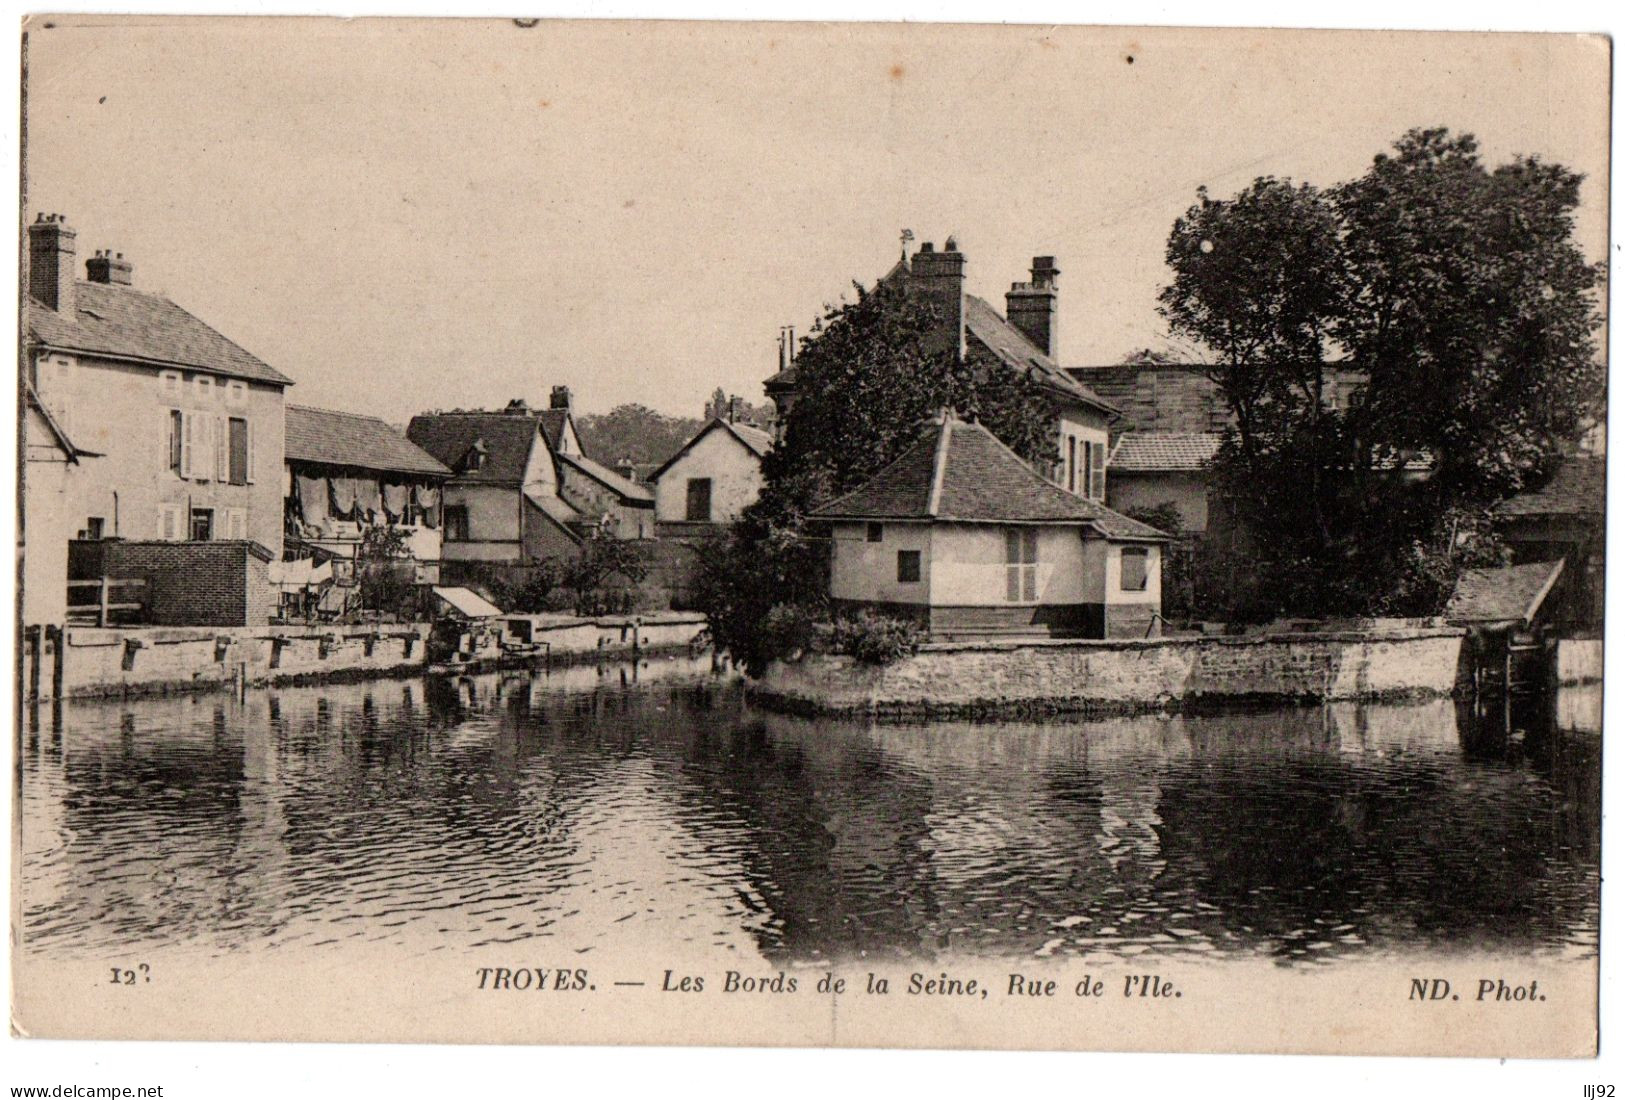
553 421
624 488
1577 488
350 439
508 440
754 440
1163 452
122 322
1011 345
959 472
1505 594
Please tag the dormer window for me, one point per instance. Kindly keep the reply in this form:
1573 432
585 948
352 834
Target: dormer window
475 458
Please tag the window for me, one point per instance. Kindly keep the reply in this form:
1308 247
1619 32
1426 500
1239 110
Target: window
1071 463
1097 473
93 528
699 500
236 393
237 464
908 567
202 524
875 532
455 519
1021 565
169 522
169 382
1134 568
204 386
236 526
177 431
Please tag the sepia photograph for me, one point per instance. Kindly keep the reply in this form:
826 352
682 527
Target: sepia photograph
810 535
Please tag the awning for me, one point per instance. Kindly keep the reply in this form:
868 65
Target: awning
468 604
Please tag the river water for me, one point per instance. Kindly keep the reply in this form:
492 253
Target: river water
595 808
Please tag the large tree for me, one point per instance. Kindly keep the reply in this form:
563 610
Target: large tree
1459 293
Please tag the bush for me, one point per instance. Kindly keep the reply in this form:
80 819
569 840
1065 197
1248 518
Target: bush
875 639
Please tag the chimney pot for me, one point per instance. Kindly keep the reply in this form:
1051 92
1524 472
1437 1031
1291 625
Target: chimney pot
1032 307
560 398
110 268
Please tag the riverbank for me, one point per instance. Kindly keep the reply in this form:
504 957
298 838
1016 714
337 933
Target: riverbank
1041 676
88 662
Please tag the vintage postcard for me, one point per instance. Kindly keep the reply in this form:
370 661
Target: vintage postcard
886 535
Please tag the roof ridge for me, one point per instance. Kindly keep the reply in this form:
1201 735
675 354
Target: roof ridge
337 412
939 467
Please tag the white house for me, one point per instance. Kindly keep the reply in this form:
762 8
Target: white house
714 477
962 536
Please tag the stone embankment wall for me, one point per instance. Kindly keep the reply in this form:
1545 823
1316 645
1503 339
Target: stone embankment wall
1045 675
98 662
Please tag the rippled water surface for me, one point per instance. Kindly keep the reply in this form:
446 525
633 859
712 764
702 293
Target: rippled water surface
590 807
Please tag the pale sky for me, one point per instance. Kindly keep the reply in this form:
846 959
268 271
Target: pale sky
411 215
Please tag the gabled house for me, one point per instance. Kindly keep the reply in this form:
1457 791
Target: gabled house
188 427
607 501
190 424
348 474
501 502
712 478
1025 338
962 536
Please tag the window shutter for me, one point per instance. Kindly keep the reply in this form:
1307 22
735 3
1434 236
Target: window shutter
248 434
221 473
1097 487
188 438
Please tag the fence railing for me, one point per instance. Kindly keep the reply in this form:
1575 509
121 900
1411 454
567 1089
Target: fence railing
103 605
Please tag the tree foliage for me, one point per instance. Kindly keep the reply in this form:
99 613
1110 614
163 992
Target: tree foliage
869 378
1458 293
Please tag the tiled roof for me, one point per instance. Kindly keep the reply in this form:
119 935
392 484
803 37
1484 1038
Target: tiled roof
624 488
752 438
126 323
1577 488
350 439
1505 594
785 379
553 422
961 472
508 440
1011 345
1162 452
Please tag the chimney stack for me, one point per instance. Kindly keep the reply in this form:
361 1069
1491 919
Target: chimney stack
940 278
627 469
1032 307
560 398
109 267
50 262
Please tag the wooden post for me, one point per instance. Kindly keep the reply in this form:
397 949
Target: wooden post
58 635
33 650
101 613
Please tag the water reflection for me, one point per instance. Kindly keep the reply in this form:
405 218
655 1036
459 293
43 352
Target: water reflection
649 805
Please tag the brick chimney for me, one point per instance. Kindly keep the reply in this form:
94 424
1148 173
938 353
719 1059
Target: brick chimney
940 277
560 398
1031 307
107 267
50 262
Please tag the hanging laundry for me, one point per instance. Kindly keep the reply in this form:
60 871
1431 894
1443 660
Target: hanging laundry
369 503
344 497
313 494
397 501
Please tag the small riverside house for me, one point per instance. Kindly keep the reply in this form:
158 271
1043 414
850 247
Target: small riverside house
962 536
714 476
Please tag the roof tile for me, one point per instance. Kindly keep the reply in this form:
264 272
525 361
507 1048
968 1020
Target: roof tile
350 439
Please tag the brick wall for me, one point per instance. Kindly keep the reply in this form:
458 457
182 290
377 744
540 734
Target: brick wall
188 583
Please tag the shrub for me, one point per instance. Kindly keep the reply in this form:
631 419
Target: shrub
875 639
